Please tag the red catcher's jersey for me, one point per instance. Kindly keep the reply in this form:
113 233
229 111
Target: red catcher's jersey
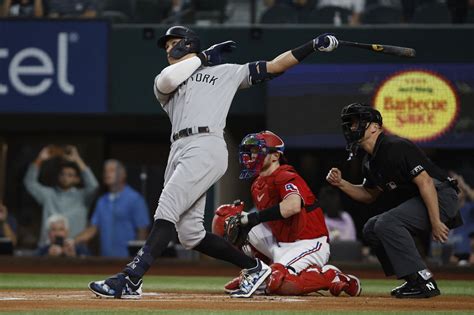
267 191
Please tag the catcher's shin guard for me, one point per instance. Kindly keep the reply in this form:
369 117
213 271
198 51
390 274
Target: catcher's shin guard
309 280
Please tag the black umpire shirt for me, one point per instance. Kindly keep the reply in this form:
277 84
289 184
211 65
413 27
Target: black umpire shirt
393 165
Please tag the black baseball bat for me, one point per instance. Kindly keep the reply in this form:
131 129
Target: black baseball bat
386 49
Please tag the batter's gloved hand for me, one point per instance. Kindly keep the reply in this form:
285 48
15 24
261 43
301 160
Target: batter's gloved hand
325 42
237 228
213 56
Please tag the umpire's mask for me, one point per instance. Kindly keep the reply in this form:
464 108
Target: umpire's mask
356 118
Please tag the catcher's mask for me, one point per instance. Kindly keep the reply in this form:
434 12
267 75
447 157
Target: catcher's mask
189 42
356 118
254 148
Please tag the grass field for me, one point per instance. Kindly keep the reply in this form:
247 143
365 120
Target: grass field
192 286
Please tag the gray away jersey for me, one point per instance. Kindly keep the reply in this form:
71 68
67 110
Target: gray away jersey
205 97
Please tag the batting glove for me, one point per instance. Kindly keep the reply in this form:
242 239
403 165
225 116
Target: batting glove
214 55
325 42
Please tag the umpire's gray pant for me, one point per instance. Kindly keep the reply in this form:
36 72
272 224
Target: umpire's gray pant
391 233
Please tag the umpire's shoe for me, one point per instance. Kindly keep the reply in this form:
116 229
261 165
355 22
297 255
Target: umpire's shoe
119 286
251 279
418 289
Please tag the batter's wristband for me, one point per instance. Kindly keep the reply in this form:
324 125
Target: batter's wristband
203 58
303 51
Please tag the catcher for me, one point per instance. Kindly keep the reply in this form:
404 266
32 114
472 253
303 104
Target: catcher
288 228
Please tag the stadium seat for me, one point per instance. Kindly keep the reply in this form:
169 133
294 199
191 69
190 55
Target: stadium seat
279 14
115 16
470 16
151 11
327 15
437 13
211 10
112 9
381 15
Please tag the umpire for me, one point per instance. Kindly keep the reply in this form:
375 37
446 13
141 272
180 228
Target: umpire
426 198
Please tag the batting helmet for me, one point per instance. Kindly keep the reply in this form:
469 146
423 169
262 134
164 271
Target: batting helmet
190 42
222 213
355 120
253 149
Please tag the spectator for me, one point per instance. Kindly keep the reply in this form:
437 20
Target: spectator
71 8
65 198
339 222
355 6
179 11
58 242
121 215
7 225
23 8
463 234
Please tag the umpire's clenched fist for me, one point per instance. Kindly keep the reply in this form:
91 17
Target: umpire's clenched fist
334 177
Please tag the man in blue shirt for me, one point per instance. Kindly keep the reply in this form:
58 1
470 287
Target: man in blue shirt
120 215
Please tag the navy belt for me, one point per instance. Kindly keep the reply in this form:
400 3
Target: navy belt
189 132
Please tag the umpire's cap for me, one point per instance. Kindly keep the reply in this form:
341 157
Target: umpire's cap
180 32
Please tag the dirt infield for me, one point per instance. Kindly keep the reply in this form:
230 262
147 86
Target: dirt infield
29 300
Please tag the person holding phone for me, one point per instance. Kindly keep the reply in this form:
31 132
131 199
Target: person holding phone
65 198
59 243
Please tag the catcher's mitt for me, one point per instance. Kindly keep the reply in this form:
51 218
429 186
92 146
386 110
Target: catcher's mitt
234 231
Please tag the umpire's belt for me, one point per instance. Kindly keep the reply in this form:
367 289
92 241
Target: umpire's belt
189 132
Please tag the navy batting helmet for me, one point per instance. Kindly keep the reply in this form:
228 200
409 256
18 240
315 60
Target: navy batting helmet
190 42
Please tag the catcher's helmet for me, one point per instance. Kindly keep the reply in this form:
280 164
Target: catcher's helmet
254 148
355 120
189 44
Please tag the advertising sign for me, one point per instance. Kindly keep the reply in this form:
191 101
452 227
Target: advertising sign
53 66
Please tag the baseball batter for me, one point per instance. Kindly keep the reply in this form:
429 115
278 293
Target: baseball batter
288 227
196 91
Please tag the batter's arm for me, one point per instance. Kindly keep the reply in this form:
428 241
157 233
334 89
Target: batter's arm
172 76
356 192
290 58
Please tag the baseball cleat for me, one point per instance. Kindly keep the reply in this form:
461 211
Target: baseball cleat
119 286
354 288
251 279
418 290
345 283
397 289
336 288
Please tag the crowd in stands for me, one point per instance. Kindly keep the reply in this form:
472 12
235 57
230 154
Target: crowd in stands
120 215
336 12
74 213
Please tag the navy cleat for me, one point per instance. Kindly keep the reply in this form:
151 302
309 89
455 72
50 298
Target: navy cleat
251 279
119 286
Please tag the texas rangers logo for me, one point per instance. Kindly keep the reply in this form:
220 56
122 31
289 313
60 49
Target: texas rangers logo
291 187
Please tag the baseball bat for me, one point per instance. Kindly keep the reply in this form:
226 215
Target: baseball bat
386 49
